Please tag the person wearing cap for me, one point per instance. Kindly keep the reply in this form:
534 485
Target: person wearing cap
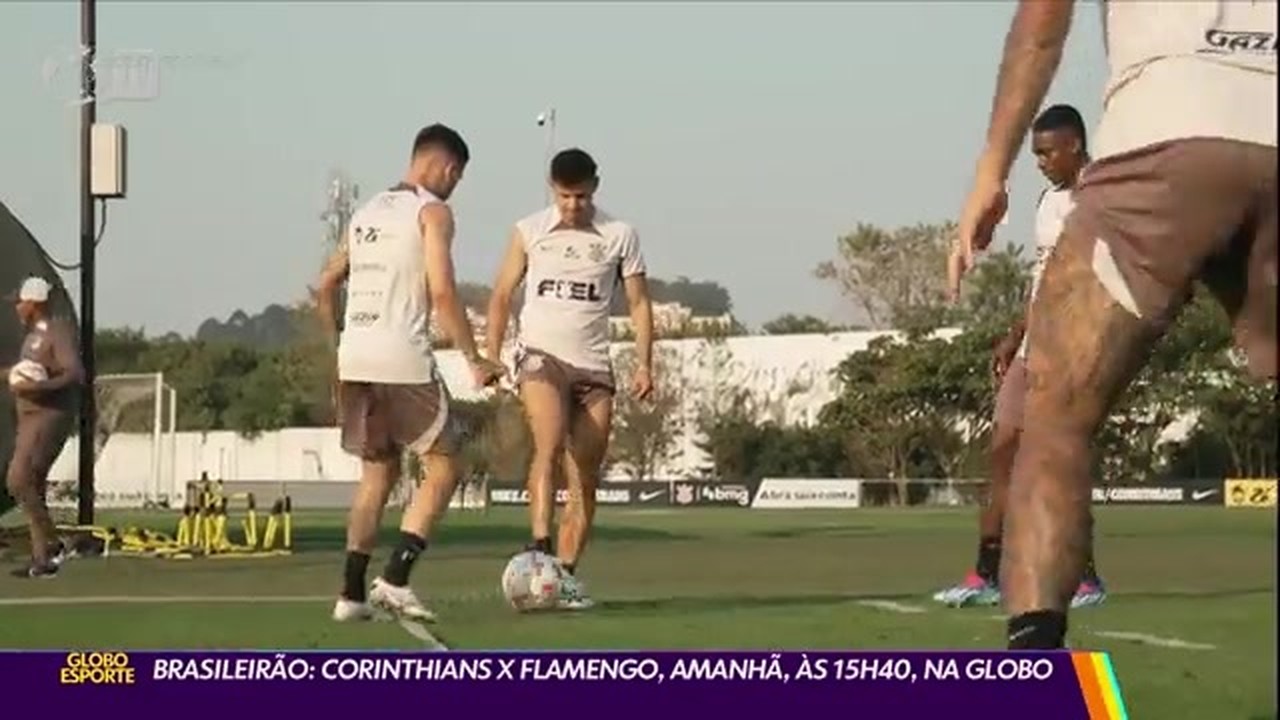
45 417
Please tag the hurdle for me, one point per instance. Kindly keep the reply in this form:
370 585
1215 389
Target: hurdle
202 530
203 526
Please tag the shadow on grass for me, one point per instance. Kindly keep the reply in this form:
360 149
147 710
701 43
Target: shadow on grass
510 537
832 531
722 603
1192 594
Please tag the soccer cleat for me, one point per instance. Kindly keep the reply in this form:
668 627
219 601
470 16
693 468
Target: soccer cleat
60 554
35 570
351 611
973 592
1091 593
573 594
398 601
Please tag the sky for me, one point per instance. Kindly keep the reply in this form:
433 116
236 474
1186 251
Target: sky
740 139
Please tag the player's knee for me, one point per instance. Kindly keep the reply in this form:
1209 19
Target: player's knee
1261 361
1056 447
19 485
547 453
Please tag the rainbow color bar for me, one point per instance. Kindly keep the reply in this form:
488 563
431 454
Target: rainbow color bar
1098 684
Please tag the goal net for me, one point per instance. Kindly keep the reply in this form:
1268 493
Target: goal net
134 447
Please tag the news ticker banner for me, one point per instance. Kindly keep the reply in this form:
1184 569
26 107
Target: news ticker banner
1066 685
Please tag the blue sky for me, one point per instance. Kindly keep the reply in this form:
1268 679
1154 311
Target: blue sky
740 139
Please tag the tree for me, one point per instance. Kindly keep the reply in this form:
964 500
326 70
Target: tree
703 297
645 432
891 273
791 324
995 294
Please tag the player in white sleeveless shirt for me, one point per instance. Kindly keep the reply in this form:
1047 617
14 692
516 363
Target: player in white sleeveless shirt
1183 189
573 259
1060 145
397 266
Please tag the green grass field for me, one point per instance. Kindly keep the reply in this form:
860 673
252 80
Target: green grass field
1193 594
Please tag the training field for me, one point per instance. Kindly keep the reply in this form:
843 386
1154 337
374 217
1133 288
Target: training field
1191 620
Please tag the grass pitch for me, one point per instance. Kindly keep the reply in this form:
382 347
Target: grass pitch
1191 621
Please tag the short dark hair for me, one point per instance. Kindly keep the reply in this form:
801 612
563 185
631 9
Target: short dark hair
444 138
572 167
1062 117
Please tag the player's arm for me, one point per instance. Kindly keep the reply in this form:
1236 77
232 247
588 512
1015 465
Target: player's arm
442 284
1018 331
1032 51
510 274
636 284
331 278
66 359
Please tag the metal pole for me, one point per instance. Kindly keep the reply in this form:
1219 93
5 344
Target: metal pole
88 402
550 151
157 437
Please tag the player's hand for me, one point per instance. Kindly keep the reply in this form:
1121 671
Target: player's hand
486 372
987 203
1003 356
642 383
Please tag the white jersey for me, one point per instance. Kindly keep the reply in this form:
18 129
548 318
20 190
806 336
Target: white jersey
1051 213
385 337
571 279
1188 69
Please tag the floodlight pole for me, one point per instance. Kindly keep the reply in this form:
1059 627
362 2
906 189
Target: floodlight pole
548 152
88 400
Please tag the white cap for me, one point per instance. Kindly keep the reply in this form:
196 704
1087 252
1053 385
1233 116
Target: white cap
34 289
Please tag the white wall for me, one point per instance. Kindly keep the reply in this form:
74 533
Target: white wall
123 476
789 375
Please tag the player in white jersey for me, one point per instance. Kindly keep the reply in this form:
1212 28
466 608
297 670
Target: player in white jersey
1059 143
573 258
397 265
1182 189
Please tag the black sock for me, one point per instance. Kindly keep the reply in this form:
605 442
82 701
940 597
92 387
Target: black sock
1090 570
570 567
1038 630
542 545
988 567
403 558
353 576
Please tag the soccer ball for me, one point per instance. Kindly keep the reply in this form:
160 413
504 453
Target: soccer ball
27 371
531 581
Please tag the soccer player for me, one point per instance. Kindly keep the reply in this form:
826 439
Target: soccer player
1058 141
45 417
1182 188
398 267
572 257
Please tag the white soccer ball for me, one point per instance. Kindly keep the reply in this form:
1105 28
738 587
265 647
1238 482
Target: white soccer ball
531 581
27 371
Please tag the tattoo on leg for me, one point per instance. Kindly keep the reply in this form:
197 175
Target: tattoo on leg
1084 350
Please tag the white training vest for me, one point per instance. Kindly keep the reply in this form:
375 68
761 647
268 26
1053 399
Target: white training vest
1188 69
385 335
571 279
1051 213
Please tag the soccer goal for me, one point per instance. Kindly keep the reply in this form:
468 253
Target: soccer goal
135 443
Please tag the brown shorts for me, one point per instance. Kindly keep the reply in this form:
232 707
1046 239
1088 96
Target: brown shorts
1157 219
37 444
380 420
1012 395
577 386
